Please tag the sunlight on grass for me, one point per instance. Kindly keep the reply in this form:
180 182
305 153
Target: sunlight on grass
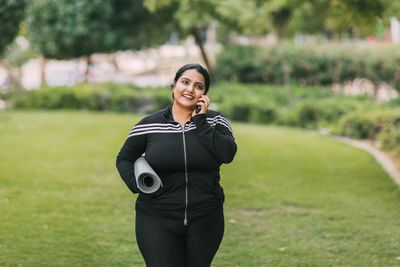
292 197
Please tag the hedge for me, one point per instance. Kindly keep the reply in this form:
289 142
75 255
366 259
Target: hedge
100 97
369 124
311 65
309 107
379 124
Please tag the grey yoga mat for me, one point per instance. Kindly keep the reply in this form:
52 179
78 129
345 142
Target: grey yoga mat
147 179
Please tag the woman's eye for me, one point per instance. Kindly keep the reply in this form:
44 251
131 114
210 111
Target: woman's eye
199 87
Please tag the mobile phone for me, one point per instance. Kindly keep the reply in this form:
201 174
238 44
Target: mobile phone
198 108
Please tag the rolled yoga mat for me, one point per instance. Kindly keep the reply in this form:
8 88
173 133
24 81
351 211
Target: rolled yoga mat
147 179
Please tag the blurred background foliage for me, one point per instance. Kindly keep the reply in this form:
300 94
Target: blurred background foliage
310 107
69 29
310 65
286 83
12 13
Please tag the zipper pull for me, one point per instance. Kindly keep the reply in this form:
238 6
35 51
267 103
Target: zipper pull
185 222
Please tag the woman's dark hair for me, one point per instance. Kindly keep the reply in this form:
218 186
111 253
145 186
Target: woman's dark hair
199 69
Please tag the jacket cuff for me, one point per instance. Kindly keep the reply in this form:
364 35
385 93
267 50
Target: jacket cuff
200 121
135 189
133 186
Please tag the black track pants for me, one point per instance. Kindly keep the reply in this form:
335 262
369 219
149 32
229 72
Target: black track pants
168 243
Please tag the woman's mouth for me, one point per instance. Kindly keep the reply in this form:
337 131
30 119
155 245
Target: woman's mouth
188 97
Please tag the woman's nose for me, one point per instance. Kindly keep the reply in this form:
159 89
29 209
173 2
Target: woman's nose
189 87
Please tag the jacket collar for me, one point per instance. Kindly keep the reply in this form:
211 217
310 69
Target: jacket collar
167 114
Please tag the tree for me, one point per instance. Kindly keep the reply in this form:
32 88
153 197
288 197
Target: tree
11 13
66 29
192 17
337 16
392 9
360 17
287 17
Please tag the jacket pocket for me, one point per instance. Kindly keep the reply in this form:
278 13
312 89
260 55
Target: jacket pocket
154 195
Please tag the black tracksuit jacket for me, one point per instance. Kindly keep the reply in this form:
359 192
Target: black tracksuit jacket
187 161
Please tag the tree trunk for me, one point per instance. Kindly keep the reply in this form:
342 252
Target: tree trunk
77 69
87 68
286 78
15 79
356 33
336 37
42 61
197 36
286 73
376 87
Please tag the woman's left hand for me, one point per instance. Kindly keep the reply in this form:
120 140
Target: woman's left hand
204 102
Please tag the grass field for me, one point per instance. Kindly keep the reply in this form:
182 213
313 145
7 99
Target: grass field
292 198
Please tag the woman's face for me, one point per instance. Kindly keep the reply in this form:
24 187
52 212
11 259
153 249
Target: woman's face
189 88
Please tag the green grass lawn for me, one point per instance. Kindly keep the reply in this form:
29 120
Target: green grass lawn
292 198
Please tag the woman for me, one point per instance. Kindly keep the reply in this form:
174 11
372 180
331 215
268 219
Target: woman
181 224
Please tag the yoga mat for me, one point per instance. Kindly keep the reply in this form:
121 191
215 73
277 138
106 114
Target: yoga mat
147 179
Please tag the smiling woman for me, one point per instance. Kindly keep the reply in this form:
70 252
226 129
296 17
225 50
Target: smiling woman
182 224
189 92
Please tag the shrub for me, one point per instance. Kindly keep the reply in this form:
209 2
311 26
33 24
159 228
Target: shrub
161 98
99 97
357 117
311 65
390 139
241 64
317 113
263 113
308 115
238 109
287 116
124 102
356 125
368 124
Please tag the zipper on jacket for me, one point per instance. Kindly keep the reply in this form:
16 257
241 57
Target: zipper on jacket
186 175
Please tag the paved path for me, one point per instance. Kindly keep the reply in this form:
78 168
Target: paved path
381 157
